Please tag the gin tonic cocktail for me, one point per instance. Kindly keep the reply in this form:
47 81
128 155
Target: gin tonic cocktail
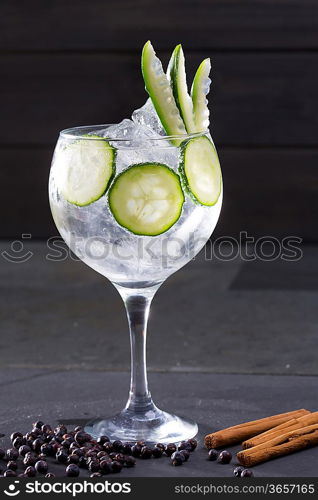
136 204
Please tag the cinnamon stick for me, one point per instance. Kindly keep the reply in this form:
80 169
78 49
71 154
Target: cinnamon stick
284 444
294 423
241 432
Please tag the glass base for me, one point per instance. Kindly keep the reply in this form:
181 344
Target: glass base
152 426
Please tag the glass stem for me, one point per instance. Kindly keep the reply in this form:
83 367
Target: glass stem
137 304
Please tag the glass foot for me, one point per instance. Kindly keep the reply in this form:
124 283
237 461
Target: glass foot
152 426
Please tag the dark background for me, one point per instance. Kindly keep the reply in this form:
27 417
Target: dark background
66 63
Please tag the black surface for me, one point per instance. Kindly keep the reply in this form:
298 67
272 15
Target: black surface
214 401
64 349
275 275
211 316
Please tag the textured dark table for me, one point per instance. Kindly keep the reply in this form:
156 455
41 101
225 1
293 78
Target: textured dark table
213 400
228 342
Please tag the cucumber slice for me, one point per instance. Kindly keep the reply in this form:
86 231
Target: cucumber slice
177 76
199 91
85 170
200 170
160 92
146 198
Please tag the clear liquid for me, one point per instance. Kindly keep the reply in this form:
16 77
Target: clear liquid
130 260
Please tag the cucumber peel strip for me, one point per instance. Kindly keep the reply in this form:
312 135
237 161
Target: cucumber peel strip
200 89
177 76
158 87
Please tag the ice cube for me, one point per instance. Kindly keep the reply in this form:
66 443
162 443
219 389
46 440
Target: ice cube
121 130
129 134
138 143
147 117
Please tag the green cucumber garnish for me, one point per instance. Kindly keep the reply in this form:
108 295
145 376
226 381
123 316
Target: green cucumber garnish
177 76
85 170
199 91
200 170
146 198
160 92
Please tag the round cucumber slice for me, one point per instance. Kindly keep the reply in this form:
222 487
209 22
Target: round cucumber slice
200 170
199 91
85 169
160 92
177 76
146 198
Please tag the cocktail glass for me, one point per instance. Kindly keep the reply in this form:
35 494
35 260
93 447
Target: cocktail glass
136 265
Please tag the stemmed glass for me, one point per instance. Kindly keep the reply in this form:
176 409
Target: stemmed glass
136 265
